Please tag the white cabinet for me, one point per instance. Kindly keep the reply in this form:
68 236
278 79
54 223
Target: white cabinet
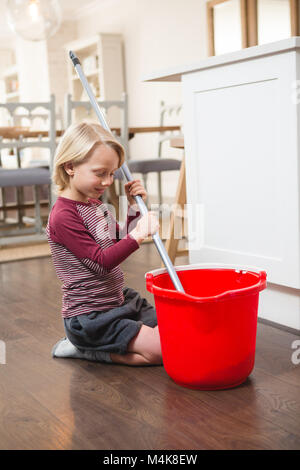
101 57
242 146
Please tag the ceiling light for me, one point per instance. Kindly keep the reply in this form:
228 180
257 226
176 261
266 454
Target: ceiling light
34 20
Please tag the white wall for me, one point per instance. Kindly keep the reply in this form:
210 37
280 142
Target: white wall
6 59
157 34
57 62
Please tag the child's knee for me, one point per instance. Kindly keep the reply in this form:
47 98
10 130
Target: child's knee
154 354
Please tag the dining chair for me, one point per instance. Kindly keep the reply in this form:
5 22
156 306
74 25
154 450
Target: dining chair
105 106
160 163
36 176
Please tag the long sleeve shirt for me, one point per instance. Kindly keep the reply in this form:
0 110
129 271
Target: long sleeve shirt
87 246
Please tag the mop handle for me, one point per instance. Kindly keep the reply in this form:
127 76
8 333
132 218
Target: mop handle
143 208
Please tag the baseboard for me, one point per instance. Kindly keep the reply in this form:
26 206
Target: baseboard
279 326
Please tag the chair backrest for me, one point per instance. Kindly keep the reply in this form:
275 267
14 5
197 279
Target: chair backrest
24 114
121 132
170 114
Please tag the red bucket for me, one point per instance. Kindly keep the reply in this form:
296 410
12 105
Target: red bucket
208 333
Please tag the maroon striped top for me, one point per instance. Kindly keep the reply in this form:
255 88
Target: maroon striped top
87 247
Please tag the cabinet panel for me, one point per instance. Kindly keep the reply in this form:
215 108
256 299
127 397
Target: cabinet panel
242 166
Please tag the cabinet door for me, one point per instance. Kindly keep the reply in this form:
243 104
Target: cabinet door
242 166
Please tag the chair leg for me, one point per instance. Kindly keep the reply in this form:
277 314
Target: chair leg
2 215
38 218
6 196
2 199
145 180
4 204
159 189
20 201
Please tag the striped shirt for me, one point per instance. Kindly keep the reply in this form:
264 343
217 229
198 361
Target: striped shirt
87 247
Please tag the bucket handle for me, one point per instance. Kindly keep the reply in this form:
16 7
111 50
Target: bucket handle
262 280
149 282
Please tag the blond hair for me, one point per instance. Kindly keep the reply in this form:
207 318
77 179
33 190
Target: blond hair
75 146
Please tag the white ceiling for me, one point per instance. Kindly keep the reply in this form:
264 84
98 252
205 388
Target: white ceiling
70 11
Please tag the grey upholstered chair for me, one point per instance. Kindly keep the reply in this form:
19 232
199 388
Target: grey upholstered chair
20 178
159 164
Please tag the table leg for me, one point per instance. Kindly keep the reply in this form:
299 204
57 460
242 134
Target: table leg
180 200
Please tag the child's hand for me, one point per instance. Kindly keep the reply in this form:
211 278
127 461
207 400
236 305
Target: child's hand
135 188
147 225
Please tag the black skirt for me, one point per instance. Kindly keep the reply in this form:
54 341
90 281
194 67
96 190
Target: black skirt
111 331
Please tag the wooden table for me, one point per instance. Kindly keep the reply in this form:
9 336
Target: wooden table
26 133
177 142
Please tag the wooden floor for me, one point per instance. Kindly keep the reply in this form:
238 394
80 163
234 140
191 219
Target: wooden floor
50 403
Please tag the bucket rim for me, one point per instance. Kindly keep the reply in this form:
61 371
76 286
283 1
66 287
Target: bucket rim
169 293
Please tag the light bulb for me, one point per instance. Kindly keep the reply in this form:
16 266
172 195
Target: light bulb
33 8
34 20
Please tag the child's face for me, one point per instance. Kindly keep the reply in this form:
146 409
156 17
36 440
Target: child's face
90 178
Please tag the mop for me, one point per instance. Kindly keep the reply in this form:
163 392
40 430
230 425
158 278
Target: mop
126 172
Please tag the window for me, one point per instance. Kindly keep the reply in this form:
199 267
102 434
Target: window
273 20
227 27
235 24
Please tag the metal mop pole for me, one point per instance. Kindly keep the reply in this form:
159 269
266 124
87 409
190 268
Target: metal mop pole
143 208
